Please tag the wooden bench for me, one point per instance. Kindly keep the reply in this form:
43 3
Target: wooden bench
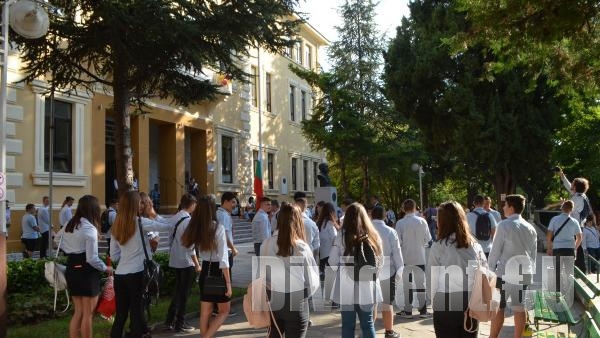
551 307
585 289
591 318
594 262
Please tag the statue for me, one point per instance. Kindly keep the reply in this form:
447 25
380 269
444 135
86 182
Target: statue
323 176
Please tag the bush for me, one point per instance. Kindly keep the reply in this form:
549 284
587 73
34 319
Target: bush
26 276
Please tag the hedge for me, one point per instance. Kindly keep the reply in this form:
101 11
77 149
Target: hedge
30 297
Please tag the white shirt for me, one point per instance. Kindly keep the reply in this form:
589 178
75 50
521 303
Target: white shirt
445 255
566 237
130 255
496 214
43 218
365 292
391 249
327 236
224 218
311 231
590 238
514 237
413 233
472 219
290 269
65 215
261 227
577 198
180 256
83 239
220 254
112 215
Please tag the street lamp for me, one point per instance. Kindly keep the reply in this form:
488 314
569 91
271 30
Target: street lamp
419 169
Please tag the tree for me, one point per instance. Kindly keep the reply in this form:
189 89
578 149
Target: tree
346 117
152 49
496 130
557 38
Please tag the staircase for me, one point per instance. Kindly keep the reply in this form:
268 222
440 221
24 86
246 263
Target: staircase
242 231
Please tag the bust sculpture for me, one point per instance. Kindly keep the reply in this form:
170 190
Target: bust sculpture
323 176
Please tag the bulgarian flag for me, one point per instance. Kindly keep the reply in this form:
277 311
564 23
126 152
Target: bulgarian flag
258 183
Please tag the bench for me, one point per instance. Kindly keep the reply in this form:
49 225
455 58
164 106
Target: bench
585 289
551 307
591 319
594 262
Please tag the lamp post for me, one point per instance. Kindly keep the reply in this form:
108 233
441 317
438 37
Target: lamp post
419 169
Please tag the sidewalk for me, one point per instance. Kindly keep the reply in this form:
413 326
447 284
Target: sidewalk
325 324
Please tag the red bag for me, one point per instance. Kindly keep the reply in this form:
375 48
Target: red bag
107 305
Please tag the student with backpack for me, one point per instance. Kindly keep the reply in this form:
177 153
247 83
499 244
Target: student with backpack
454 247
357 256
107 219
482 224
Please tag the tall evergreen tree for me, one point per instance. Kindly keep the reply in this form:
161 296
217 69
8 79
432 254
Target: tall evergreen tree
496 130
144 49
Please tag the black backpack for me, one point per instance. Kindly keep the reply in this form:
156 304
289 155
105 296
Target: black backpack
104 222
483 226
587 209
365 261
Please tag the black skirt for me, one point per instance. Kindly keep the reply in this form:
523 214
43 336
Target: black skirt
82 278
214 271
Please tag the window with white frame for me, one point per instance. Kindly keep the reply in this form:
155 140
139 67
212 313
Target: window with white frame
227 159
253 86
315 173
305 175
294 174
303 106
292 103
69 138
271 170
268 92
308 56
298 52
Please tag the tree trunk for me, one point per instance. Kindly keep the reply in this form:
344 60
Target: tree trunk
123 149
365 179
345 184
504 183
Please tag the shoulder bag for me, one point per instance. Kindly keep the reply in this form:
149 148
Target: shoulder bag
559 229
55 275
214 285
151 273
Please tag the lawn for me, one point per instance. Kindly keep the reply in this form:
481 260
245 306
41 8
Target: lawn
59 328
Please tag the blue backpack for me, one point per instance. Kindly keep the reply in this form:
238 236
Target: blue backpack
483 226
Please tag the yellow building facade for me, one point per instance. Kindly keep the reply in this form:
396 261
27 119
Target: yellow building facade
216 143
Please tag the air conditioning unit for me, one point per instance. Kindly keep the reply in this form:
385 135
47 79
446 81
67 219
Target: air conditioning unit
283 187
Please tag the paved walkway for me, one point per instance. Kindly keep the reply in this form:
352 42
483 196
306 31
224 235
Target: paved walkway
325 323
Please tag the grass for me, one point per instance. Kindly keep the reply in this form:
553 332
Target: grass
59 327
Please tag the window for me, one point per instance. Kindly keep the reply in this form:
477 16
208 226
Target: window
226 159
287 51
268 91
303 98
315 173
308 56
254 161
294 174
270 171
305 174
63 131
298 52
292 103
253 87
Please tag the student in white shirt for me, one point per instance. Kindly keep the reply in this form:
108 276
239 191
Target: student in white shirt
478 203
328 228
261 226
65 214
209 237
290 306
454 247
515 242
43 218
563 239
184 262
413 233
311 231
80 244
127 248
591 239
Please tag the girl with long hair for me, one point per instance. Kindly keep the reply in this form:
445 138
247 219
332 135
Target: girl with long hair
127 247
209 237
454 246
290 307
80 244
65 214
328 228
357 231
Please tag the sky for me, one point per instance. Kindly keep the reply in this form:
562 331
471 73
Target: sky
322 14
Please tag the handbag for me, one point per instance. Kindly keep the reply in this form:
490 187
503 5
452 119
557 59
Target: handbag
107 304
151 273
55 275
214 285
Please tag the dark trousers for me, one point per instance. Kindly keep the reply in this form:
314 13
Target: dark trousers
291 314
558 266
44 244
448 315
128 295
580 260
108 246
184 277
419 280
230 265
257 249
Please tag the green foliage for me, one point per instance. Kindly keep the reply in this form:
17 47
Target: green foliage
496 131
25 276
